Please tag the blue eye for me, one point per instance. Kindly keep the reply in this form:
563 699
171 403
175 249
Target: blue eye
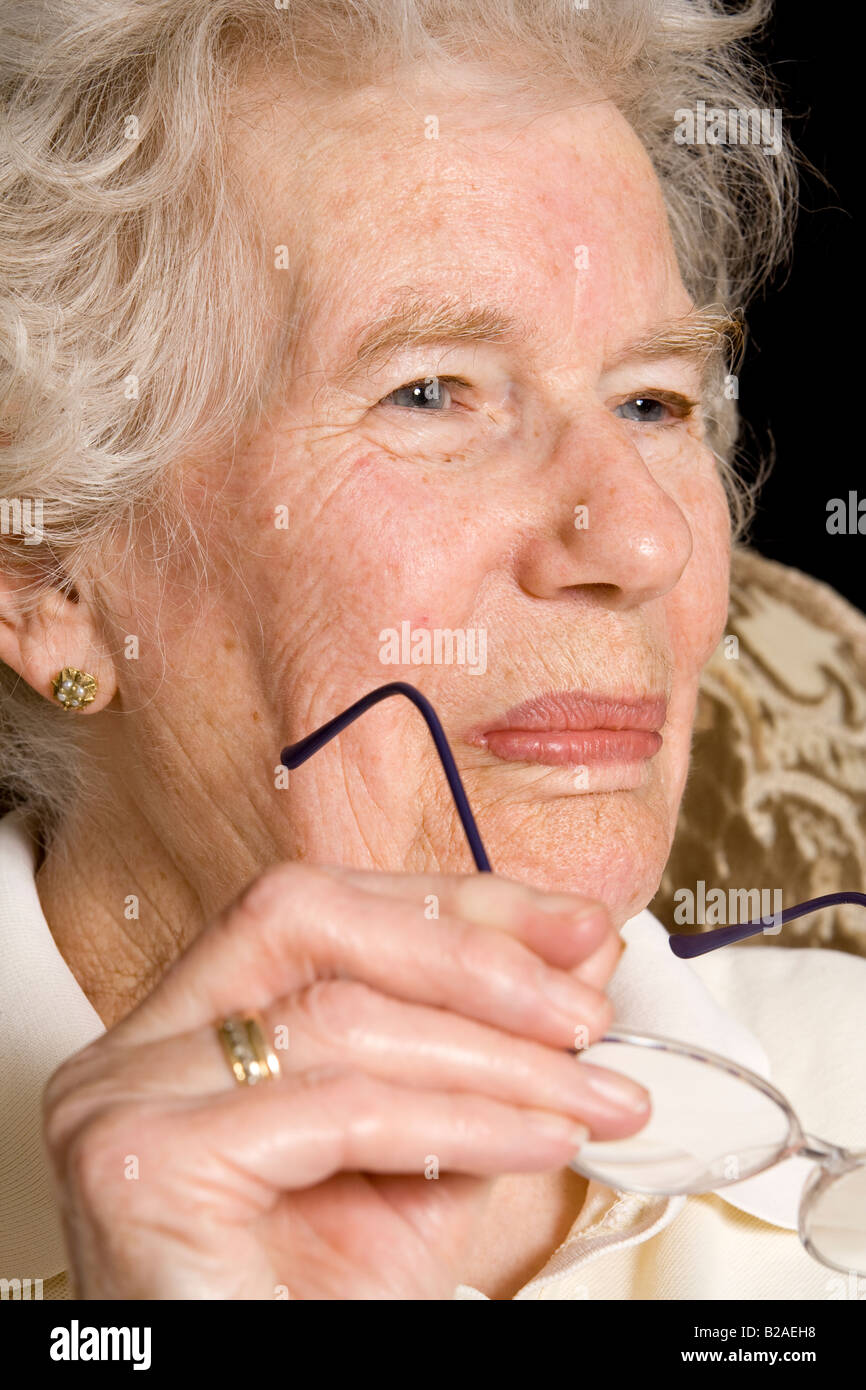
430 393
647 410
656 410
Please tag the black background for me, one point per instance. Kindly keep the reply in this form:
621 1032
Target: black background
800 385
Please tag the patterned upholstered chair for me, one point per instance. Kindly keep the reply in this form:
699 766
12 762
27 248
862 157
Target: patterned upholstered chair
776 796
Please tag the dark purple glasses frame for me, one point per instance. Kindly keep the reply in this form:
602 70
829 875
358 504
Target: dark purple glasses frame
681 944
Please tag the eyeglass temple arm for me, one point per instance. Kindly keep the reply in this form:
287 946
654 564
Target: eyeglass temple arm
296 753
688 946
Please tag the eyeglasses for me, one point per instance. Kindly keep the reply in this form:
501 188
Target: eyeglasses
699 1099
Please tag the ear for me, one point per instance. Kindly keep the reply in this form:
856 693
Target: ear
41 635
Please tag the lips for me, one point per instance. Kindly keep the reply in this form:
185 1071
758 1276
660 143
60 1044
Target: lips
572 727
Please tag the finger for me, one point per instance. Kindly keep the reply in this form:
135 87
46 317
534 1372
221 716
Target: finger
343 1023
294 1135
448 1224
295 925
444 1211
567 930
564 928
598 968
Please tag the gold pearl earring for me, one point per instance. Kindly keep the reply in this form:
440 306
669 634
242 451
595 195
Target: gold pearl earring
74 689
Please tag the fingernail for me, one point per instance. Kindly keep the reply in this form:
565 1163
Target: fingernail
569 995
616 1090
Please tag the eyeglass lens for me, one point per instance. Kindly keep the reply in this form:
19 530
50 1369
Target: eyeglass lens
709 1128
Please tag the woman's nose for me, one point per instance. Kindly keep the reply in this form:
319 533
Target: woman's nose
603 520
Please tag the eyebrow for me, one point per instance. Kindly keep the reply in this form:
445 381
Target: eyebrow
416 320
700 334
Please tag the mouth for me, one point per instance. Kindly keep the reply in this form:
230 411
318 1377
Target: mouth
574 728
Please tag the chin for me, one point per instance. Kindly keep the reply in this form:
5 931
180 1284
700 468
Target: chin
613 851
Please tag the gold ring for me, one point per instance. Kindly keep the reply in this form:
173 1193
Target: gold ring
249 1056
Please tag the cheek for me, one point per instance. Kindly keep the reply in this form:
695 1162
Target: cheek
397 547
699 602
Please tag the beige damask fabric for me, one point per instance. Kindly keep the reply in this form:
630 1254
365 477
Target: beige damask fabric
776 796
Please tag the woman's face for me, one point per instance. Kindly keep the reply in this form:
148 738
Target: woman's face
547 502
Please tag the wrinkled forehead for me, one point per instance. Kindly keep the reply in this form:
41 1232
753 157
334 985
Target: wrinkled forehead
555 214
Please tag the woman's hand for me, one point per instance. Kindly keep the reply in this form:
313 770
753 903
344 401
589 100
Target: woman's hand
425 1056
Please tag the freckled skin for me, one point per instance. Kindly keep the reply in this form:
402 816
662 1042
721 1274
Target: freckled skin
443 532
460 521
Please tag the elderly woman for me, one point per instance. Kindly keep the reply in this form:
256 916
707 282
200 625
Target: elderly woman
343 344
